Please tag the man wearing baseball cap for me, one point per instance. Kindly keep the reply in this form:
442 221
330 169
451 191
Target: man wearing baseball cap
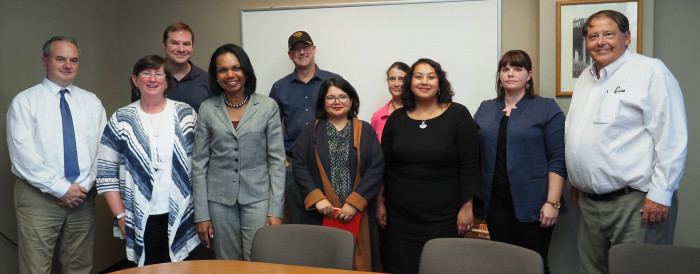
296 96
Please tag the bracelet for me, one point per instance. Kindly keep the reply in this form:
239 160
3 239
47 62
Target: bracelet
120 216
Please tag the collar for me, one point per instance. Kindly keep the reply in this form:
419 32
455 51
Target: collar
295 76
384 112
194 72
610 69
55 88
522 103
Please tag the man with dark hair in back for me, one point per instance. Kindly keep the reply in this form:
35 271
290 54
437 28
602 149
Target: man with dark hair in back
190 83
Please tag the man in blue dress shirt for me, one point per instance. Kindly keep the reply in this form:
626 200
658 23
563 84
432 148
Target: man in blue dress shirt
295 95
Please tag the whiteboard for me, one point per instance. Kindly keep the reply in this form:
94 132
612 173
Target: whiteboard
360 42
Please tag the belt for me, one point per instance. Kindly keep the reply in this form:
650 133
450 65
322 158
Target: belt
611 195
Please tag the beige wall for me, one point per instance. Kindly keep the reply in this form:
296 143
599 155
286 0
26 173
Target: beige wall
24 27
114 34
676 37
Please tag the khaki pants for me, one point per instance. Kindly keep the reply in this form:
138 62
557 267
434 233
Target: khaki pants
41 223
616 221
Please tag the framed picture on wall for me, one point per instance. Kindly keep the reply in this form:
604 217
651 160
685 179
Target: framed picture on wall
572 57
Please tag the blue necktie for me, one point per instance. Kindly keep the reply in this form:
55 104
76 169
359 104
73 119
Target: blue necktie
70 152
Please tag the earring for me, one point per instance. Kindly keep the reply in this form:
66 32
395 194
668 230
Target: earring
527 85
439 93
499 84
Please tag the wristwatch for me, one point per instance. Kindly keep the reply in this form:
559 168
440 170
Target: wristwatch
119 216
555 204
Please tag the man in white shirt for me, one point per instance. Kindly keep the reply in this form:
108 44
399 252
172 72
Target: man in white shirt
626 142
53 130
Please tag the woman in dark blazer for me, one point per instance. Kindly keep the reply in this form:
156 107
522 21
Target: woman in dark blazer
238 161
522 158
335 138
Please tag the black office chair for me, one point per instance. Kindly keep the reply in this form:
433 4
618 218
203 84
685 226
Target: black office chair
653 258
457 255
305 245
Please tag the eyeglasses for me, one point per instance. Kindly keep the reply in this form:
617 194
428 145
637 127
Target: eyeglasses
148 74
342 98
394 79
300 48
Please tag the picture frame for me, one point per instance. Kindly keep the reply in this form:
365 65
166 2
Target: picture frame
572 56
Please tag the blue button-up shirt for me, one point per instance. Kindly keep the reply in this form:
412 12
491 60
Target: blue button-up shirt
297 102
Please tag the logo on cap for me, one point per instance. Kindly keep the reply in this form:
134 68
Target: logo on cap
297 34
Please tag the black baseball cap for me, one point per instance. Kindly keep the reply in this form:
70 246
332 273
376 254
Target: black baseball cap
299 36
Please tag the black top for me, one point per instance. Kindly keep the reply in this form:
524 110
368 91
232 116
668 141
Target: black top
501 187
430 172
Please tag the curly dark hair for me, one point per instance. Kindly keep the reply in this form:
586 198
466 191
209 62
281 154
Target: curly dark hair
445 91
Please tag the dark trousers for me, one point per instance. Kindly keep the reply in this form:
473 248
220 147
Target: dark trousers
295 211
505 227
155 240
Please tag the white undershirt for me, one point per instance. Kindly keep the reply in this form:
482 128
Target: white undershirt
160 129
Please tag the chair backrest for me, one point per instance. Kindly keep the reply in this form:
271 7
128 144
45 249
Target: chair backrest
457 255
305 245
653 258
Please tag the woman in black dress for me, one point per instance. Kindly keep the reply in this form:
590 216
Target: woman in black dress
431 150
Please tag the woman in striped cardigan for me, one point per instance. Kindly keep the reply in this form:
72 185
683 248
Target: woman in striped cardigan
144 169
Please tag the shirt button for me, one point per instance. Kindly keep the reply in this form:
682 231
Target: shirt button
235 160
235 149
235 170
307 97
306 110
306 123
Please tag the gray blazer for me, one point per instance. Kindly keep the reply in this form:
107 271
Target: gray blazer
243 165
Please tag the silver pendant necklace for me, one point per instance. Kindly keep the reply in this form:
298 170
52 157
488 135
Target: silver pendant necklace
423 125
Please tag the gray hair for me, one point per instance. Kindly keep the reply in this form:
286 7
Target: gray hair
47 45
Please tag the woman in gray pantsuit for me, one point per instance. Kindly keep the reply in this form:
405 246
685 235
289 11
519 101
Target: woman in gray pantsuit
238 162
